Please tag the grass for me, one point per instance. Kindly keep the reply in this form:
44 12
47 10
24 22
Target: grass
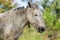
32 34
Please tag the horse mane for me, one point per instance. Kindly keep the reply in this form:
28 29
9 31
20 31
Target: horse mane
21 9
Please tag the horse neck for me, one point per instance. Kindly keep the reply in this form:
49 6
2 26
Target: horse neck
22 15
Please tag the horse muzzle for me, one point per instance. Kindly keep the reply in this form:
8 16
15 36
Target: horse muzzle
41 29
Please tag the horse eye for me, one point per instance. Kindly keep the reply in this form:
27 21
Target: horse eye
35 15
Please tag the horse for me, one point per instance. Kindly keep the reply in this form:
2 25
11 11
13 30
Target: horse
14 21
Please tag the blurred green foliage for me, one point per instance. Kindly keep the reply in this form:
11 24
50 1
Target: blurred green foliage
52 14
5 5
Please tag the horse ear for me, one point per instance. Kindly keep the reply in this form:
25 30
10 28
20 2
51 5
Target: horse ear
29 4
33 5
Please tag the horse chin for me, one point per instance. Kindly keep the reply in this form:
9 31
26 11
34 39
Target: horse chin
40 31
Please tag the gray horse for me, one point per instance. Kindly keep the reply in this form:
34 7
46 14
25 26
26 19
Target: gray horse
14 21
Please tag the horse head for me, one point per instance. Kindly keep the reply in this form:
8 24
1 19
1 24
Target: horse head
35 17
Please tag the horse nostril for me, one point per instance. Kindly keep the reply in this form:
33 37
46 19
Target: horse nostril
41 29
